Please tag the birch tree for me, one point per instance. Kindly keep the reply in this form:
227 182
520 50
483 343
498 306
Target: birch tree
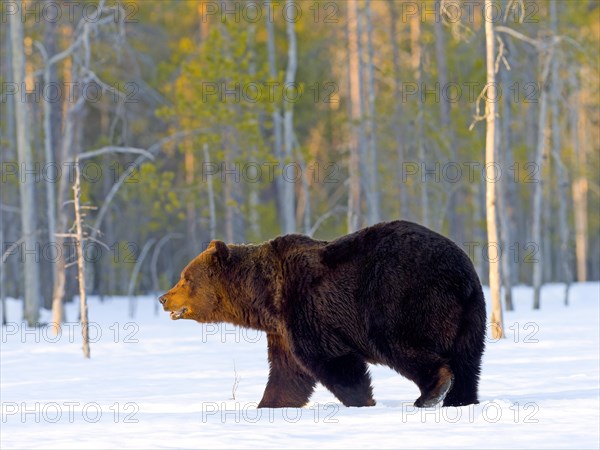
490 157
357 141
538 190
580 184
9 136
276 116
289 188
561 170
400 146
448 134
27 183
504 188
373 213
81 73
416 60
546 53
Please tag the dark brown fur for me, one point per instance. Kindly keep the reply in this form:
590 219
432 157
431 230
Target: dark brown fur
396 294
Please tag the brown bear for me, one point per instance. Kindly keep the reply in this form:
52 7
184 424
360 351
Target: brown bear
395 293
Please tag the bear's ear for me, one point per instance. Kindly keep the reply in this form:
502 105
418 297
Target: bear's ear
219 250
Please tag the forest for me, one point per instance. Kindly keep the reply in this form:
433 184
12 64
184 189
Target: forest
160 125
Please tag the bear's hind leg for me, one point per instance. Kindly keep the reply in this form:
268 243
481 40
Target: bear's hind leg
289 385
464 388
430 373
347 377
435 390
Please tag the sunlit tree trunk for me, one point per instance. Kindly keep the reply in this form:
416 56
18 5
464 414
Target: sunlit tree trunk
505 187
212 214
276 117
415 46
373 212
190 217
490 156
400 147
357 141
289 188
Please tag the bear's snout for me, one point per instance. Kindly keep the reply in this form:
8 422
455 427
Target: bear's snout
162 299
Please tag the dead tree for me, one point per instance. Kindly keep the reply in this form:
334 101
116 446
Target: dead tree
81 237
81 74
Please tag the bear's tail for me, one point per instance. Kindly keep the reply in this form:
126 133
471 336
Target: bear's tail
465 361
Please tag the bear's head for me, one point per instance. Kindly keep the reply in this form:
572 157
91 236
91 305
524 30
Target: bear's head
198 293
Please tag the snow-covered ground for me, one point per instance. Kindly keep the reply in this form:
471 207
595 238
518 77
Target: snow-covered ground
157 383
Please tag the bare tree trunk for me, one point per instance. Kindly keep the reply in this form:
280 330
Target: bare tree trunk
81 263
504 192
289 188
153 263
49 156
27 186
490 154
253 197
372 197
68 139
70 112
276 117
51 36
580 185
541 157
212 214
415 45
228 187
357 140
190 217
303 210
9 122
561 170
477 200
363 147
400 148
456 222
134 275
9 118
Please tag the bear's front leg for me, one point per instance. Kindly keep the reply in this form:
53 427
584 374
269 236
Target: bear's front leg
289 385
347 377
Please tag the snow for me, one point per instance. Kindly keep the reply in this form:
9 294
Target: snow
157 383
